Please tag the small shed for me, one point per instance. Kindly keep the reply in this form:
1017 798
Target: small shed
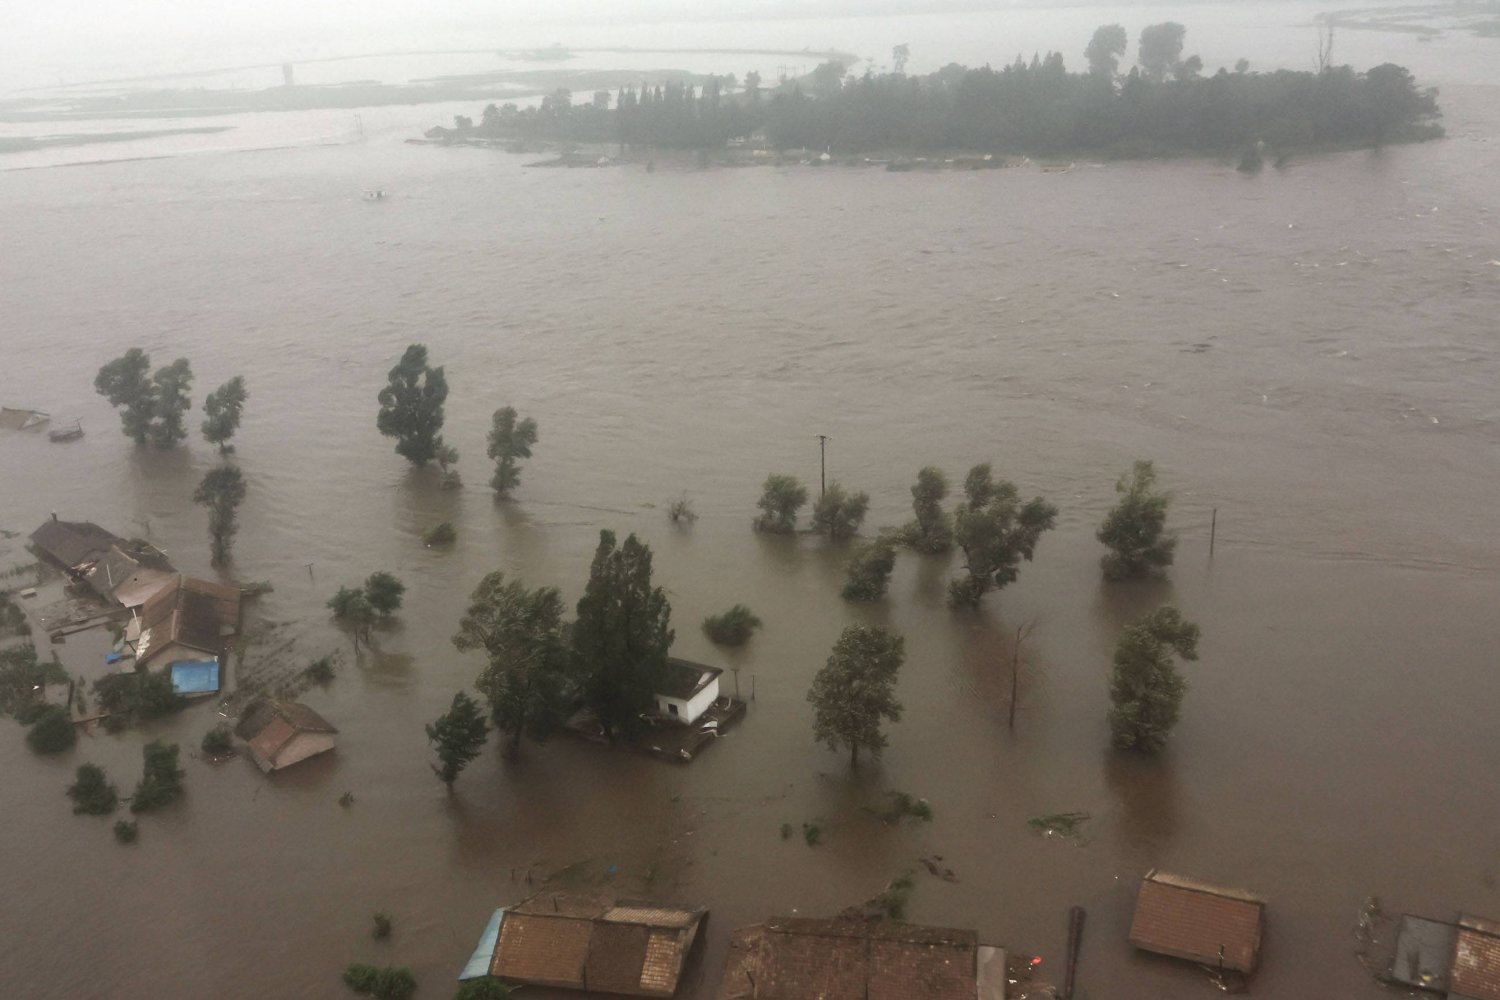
74 546
186 619
279 734
687 690
1476 960
1210 924
588 942
791 958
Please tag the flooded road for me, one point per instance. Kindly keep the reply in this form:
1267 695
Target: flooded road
1312 352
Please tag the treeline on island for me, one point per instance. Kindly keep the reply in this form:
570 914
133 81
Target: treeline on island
1163 105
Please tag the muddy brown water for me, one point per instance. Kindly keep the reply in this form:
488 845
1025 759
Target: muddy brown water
1312 352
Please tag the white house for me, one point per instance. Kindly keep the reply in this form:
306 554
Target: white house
687 690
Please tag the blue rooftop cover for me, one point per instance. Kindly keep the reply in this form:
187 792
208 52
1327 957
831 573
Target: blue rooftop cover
484 952
195 676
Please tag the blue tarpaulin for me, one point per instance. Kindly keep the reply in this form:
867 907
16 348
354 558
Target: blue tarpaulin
195 676
484 952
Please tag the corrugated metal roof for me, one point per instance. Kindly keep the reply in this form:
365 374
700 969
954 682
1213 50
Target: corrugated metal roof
1476 961
683 678
1199 923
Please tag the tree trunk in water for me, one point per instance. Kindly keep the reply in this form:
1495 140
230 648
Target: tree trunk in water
854 755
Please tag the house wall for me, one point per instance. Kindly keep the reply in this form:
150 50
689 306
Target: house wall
303 746
689 711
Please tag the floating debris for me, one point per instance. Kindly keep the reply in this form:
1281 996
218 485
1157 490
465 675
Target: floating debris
1063 824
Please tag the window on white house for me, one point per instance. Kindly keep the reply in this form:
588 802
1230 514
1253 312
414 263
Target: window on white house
671 708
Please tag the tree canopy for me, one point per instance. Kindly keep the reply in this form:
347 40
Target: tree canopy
221 491
855 691
1105 49
621 636
839 513
222 409
152 409
510 439
869 572
780 500
411 407
996 530
1145 687
932 531
1134 529
458 735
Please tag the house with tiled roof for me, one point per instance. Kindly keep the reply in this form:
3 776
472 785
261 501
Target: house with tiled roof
1209 924
279 734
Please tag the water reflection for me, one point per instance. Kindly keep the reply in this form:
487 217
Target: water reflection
1146 791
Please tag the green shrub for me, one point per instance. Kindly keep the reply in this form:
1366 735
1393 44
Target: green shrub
218 741
52 730
161 781
870 570
383 984
483 988
320 671
137 696
382 926
733 628
443 534
126 831
812 833
91 792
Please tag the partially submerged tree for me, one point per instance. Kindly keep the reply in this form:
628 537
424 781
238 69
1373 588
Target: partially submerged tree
780 499
389 983
91 792
384 593
411 407
161 781
510 439
996 531
458 735
621 636
1145 687
221 491
125 384
869 571
51 730
932 531
521 632
171 403
222 409
680 511
839 513
732 628
447 459
352 609
1134 529
856 690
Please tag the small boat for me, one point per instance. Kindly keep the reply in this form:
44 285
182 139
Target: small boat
376 195
60 434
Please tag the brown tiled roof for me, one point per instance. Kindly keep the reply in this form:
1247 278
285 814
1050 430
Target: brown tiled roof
73 543
1194 920
1476 960
189 611
589 942
799 959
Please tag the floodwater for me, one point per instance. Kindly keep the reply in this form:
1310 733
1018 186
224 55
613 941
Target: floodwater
1312 352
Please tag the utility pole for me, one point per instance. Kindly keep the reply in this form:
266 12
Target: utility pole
1213 531
822 465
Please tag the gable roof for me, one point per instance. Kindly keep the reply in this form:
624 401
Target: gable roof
1185 918
1476 961
188 612
587 942
73 544
790 958
271 726
130 573
682 679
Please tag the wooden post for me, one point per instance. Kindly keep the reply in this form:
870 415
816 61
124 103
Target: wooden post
1213 530
1075 941
752 687
822 464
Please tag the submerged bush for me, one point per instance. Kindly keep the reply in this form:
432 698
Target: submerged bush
161 781
52 730
320 671
732 628
442 534
218 741
869 572
91 792
389 983
126 831
483 988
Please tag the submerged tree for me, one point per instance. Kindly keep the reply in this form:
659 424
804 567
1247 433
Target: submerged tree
352 608
221 491
1145 687
458 735
856 690
621 636
384 593
91 792
732 628
839 513
171 403
161 780
411 407
869 571
222 409
521 632
510 439
1134 529
932 531
996 531
780 499
125 384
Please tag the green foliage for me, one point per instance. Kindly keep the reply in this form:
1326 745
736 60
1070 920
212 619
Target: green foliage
126 830
509 440
483 988
352 608
171 403
780 499
135 697
732 628
839 513
932 531
91 792
382 929
411 407
1134 527
521 632
1160 49
320 671
161 780
221 491
222 409
1068 825
442 534
1105 49
786 831
51 730
621 636
812 833
384 591
389 983
893 902
680 511
856 689
12 618
346 800
996 531
218 741
124 383
903 806
1144 687
458 736
869 572
21 675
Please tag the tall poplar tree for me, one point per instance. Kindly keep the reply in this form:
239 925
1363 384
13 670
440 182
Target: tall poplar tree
411 407
856 690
